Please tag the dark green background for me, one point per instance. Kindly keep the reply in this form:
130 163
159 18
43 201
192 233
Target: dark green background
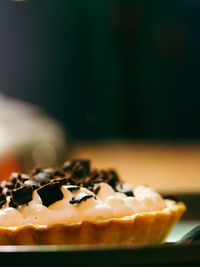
106 68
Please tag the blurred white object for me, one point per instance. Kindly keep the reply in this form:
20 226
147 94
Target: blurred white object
29 135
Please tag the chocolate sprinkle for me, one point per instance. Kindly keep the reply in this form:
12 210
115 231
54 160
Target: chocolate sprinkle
50 193
22 195
78 167
19 177
9 185
11 203
75 173
58 174
61 181
72 188
120 188
83 196
96 190
2 200
17 185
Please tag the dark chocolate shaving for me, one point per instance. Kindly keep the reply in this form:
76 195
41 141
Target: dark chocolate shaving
50 193
61 181
71 180
22 195
48 182
9 185
129 193
120 188
88 179
96 190
19 177
72 188
58 174
113 178
17 185
2 200
83 196
78 167
109 176
11 203
94 175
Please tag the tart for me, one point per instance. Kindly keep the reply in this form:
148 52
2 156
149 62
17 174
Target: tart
78 205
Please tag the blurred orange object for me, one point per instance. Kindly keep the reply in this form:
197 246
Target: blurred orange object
8 164
28 138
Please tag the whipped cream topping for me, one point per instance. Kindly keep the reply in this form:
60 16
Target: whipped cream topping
106 204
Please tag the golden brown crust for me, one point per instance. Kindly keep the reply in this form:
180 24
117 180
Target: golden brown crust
141 228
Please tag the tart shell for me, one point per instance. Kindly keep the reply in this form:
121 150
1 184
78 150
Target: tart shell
140 228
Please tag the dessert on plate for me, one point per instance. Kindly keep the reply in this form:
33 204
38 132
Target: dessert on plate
80 205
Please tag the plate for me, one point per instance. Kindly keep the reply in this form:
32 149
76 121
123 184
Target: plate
62 256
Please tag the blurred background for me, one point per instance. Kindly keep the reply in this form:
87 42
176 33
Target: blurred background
114 80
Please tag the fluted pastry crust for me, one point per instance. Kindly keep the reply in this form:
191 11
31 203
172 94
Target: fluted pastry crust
140 228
